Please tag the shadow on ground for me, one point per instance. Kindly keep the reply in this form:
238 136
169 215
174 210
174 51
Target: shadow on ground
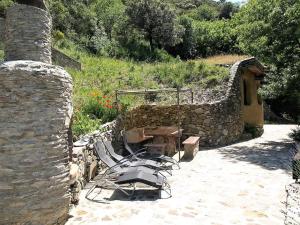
271 155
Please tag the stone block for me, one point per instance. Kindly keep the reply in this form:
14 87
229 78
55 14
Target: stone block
191 147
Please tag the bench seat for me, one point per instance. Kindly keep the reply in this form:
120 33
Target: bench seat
191 147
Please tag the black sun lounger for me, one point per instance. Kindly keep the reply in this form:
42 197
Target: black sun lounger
132 177
118 167
129 160
142 154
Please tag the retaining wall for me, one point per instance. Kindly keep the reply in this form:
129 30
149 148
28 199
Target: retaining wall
63 60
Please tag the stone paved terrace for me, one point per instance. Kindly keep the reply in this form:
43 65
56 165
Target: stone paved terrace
240 184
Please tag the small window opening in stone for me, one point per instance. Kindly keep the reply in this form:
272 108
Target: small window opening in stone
247 96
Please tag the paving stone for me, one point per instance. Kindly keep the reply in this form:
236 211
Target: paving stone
220 186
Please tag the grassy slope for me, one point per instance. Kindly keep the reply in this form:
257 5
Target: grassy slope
107 75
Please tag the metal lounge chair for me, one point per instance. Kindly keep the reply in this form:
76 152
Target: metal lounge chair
129 160
119 167
131 177
143 154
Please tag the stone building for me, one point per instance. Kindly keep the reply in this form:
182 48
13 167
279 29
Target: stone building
216 122
36 109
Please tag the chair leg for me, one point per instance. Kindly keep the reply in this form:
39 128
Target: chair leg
167 189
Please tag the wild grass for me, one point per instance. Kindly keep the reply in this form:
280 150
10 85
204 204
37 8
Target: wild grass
224 59
104 76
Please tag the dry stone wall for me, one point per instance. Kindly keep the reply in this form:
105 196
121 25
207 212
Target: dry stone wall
292 204
216 123
2 29
36 108
28 34
63 60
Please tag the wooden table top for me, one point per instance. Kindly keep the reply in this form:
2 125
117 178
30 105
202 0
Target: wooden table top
163 131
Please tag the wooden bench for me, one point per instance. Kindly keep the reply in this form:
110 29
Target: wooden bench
191 147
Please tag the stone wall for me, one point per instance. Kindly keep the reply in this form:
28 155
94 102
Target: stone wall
293 204
28 34
216 123
63 60
36 107
2 29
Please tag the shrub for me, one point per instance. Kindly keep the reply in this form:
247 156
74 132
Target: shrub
295 134
100 107
214 37
255 131
83 124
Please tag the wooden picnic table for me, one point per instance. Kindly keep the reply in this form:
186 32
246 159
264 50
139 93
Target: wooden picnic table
165 136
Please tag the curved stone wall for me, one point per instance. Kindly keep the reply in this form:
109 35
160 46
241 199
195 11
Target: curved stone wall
216 123
36 107
28 34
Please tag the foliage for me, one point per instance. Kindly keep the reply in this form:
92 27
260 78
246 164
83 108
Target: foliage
4 4
295 134
109 12
205 12
187 48
270 30
228 9
214 37
255 131
100 107
83 124
1 55
156 20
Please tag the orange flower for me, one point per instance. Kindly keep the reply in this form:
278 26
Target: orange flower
108 101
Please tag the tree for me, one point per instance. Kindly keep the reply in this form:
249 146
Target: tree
156 20
187 48
206 12
109 12
228 9
270 30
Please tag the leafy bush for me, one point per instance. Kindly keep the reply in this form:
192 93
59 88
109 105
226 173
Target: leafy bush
187 48
4 4
255 131
83 124
100 107
205 12
214 37
295 134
